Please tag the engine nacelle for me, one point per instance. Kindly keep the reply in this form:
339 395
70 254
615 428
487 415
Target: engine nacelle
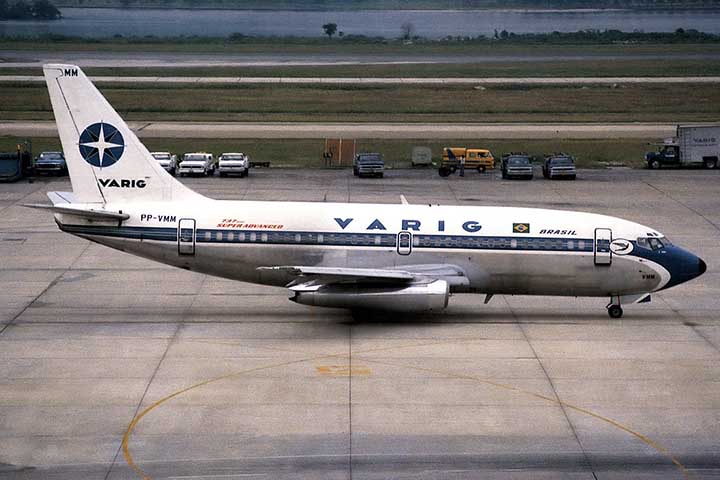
418 297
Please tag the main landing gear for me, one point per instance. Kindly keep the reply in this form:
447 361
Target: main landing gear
614 309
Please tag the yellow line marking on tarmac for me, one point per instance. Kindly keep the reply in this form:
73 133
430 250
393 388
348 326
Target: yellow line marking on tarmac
648 441
342 370
643 438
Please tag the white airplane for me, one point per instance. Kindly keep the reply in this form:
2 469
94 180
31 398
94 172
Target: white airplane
407 258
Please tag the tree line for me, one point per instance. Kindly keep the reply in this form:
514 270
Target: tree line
24 10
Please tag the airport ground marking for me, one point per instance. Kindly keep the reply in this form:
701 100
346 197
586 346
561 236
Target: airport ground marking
643 438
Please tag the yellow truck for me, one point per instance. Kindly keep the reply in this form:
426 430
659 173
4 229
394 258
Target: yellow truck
479 159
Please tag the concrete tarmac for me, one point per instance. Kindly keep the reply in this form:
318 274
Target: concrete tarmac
116 367
160 129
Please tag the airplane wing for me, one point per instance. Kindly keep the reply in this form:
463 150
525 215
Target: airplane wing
453 274
63 203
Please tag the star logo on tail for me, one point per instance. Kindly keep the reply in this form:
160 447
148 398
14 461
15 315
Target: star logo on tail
101 145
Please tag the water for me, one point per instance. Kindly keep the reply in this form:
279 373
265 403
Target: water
90 22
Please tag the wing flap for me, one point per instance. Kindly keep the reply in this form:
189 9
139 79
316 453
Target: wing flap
341 273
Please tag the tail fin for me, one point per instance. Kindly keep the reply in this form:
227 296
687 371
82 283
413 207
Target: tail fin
106 161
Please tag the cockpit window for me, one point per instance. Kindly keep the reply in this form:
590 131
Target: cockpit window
652 243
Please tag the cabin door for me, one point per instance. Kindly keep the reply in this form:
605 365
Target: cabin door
404 243
603 254
186 236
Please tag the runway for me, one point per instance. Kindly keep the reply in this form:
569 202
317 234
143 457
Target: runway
378 80
119 368
133 58
153 129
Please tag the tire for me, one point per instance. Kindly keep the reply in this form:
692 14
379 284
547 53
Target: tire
381 175
481 169
572 177
655 164
615 311
444 172
710 163
223 174
355 172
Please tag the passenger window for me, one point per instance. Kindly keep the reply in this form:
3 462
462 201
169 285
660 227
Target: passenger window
570 245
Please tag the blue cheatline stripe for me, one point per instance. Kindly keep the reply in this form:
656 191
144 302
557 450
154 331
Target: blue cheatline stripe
467 242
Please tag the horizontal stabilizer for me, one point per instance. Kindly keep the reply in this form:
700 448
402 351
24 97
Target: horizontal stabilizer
64 202
80 212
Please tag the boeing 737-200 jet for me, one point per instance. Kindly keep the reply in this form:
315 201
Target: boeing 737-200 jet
407 258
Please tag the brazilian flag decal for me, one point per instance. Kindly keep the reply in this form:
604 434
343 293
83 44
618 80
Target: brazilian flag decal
521 228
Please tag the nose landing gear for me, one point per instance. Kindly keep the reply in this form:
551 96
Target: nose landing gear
614 309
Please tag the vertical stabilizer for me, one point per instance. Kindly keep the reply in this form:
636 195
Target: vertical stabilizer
106 161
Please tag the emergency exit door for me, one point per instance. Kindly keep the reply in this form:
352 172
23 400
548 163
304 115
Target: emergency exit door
186 236
603 254
404 243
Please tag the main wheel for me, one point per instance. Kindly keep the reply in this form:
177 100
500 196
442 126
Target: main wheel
710 163
444 172
615 311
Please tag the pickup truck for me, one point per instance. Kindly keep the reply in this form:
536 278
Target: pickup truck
368 164
51 163
166 160
197 164
559 165
517 165
233 163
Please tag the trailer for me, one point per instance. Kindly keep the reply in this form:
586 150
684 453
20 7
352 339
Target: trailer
693 146
14 166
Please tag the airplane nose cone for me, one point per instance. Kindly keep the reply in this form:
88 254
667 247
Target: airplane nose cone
702 266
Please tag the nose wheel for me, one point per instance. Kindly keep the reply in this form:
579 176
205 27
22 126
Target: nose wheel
615 311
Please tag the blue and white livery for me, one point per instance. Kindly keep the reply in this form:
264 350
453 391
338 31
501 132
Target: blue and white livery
400 257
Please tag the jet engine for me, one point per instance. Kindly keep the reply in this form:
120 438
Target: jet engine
414 297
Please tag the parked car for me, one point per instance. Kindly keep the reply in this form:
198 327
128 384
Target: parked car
199 163
166 160
51 163
234 163
368 164
559 165
517 165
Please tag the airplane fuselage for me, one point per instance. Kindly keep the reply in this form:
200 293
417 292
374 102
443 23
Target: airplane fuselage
501 250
